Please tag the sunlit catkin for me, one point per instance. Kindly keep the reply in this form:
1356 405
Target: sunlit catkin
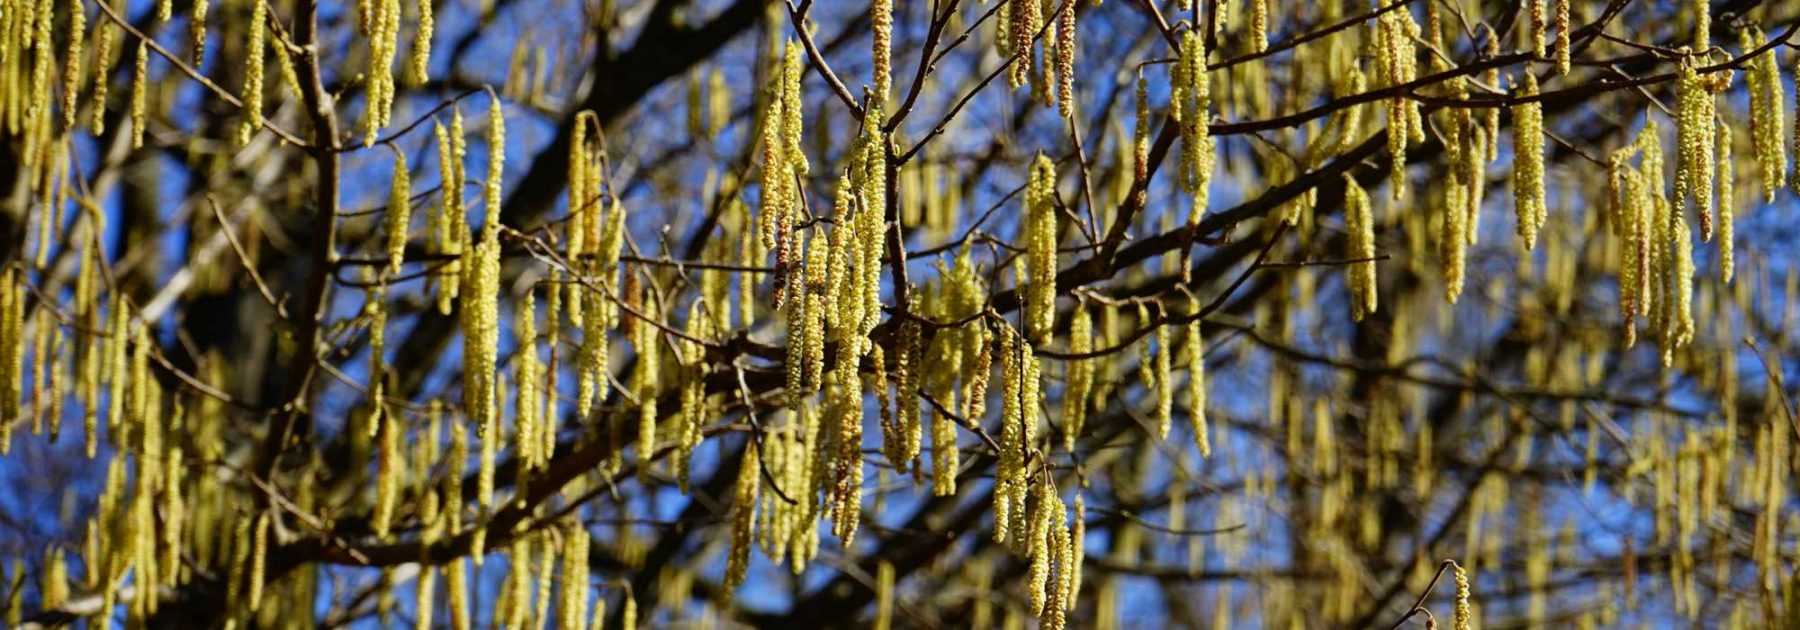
1462 617
1066 31
399 213
1563 53
881 23
253 74
1727 198
1528 162
73 65
1190 104
1196 394
1359 224
1695 168
1040 228
743 515
1080 376
421 47
1767 113
1024 19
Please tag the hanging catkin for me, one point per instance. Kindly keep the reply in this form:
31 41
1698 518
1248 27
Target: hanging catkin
253 74
1763 77
1727 197
1196 394
1040 237
1528 162
1359 224
399 213
1695 169
1065 60
1080 376
743 515
881 23
73 64
1190 104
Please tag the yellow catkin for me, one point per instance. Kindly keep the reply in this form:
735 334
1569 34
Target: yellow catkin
105 36
1359 224
1563 53
628 616
884 595
421 47
399 213
1695 167
1040 227
387 486
1080 376
253 74
1462 617
1727 198
529 423
1766 113
456 581
1024 19
649 384
574 588
140 79
1528 163
259 552
1077 553
1190 104
1196 394
1066 33
1164 414
1538 30
743 516
1259 25
881 23
73 64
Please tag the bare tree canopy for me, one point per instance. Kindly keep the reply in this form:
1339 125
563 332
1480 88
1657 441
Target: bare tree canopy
899 313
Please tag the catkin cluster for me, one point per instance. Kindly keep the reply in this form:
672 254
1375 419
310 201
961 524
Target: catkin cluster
480 318
1763 77
1018 438
381 24
1528 163
1040 247
1190 105
783 163
1695 167
1396 63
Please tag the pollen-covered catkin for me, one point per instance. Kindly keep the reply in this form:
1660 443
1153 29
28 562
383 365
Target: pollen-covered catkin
1190 104
1528 163
1767 114
1065 60
421 48
259 552
1695 169
1196 394
881 23
399 213
1024 19
1259 25
1727 198
1080 376
1040 237
1359 224
140 78
73 65
253 74
1563 53
743 516
1462 617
